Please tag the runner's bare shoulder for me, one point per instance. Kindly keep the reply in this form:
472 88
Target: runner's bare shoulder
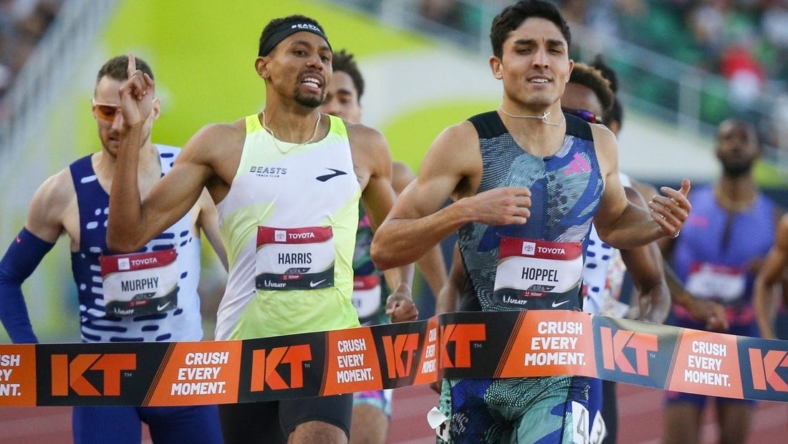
364 136
216 141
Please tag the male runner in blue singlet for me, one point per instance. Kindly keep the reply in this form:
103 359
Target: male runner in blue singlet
119 301
525 179
721 248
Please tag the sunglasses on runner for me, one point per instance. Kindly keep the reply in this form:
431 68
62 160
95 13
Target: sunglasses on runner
105 111
584 114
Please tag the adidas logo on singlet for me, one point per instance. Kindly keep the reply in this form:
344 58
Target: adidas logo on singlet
577 165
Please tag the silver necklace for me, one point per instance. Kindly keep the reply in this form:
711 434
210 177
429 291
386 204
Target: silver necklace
543 117
314 134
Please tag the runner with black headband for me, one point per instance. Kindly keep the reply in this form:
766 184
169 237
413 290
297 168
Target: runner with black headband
287 182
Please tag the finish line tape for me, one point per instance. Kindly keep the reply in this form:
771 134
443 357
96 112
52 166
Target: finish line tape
455 345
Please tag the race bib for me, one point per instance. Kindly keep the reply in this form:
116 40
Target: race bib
529 270
718 282
580 424
295 258
366 295
598 429
140 284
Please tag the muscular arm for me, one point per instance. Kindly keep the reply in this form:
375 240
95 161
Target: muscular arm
623 224
209 222
644 265
431 265
52 204
48 209
417 222
371 153
447 299
134 221
770 275
708 312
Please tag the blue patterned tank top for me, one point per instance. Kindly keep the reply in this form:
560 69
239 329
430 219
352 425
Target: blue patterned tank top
181 324
536 265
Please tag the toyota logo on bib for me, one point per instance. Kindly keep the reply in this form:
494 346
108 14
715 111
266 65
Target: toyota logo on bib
123 264
529 248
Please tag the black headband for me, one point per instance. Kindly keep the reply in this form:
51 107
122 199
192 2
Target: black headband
284 31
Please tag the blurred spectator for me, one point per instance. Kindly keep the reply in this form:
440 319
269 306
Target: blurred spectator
707 23
743 44
775 24
466 18
777 128
6 44
445 12
744 73
22 25
744 41
575 11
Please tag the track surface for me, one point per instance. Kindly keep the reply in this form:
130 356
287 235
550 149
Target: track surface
640 421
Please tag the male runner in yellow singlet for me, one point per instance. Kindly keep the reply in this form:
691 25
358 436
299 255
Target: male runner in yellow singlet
287 183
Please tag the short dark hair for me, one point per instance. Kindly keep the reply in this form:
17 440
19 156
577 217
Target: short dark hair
745 123
616 112
343 61
117 68
513 16
609 73
592 79
274 25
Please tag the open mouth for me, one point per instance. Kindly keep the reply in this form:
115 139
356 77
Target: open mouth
539 80
312 83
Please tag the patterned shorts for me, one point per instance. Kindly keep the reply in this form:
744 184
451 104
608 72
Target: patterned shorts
550 410
378 398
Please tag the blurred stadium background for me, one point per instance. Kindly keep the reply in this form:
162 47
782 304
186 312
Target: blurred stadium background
684 66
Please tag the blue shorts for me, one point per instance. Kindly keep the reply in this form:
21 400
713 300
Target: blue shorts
595 400
170 425
551 410
380 399
699 401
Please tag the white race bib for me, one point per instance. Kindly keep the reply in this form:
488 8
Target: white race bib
718 282
366 295
295 258
141 283
580 424
598 430
534 269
